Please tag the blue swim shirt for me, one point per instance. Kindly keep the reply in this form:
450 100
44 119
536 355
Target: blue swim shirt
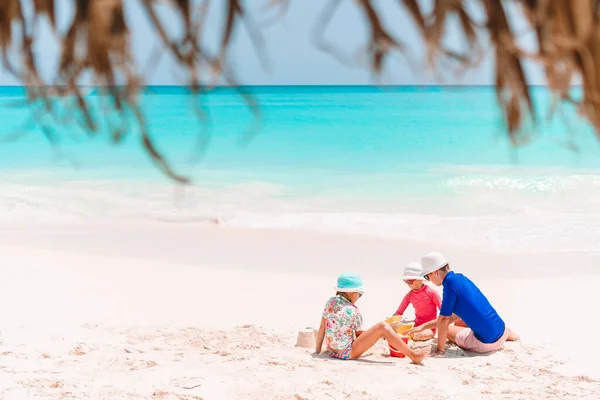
463 298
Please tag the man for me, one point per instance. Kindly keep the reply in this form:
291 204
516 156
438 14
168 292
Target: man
466 318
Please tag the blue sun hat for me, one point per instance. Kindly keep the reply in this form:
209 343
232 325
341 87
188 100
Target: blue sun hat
348 283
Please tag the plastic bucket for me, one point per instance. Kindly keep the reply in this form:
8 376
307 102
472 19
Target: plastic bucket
395 352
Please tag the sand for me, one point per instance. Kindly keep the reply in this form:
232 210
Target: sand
115 310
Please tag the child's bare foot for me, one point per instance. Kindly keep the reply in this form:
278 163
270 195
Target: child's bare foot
418 356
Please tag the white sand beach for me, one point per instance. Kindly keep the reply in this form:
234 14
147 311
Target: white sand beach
161 311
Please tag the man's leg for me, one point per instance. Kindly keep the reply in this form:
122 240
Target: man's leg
465 339
511 335
453 330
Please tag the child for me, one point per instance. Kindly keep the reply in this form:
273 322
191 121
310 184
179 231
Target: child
341 325
423 298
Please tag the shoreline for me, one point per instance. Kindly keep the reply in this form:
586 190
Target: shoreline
383 254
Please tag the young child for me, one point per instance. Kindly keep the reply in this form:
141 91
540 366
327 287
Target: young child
423 298
341 325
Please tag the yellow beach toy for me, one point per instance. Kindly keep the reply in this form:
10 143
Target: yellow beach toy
399 324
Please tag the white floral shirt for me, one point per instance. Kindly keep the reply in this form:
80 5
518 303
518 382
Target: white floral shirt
342 319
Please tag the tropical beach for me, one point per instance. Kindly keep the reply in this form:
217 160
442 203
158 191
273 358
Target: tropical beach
117 283
176 208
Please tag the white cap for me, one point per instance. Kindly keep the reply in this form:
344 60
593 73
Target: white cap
431 262
412 271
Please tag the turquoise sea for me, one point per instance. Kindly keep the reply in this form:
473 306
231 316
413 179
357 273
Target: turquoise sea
424 163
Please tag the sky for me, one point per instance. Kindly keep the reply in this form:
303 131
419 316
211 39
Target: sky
292 57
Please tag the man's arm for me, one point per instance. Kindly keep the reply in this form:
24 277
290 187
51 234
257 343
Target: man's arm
446 315
427 325
442 327
430 325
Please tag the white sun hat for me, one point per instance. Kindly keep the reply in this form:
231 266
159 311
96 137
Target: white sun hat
412 271
431 262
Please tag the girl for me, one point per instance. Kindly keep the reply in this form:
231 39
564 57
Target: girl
341 325
423 298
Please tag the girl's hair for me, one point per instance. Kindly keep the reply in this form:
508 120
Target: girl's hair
344 295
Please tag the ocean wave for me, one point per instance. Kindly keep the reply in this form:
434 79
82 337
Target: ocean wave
541 183
567 221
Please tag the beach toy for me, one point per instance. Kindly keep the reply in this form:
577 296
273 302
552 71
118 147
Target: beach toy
306 338
395 352
404 326
399 324
394 318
